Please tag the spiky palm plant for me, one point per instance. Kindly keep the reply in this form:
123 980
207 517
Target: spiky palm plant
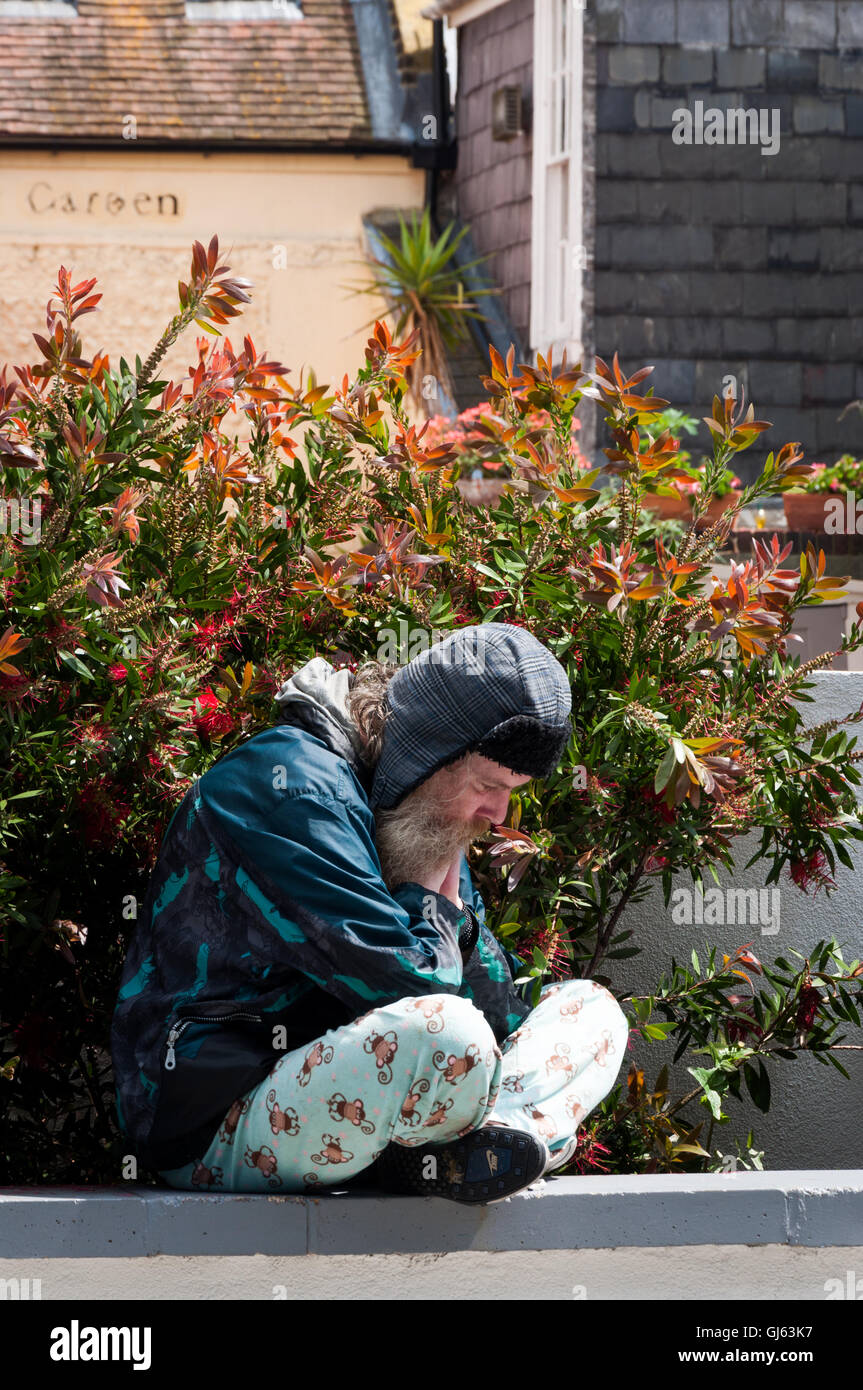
425 291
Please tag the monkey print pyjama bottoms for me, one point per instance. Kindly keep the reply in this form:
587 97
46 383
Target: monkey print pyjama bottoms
421 1070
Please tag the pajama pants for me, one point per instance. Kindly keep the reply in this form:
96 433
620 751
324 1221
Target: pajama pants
421 1070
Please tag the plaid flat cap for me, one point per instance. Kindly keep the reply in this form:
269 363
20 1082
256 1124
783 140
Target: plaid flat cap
489 688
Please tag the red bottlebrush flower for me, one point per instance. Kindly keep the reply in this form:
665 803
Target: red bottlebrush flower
62 634
586 1160
93 739
553 946
36 1040
807 1007
813 870
666 813
738 1030
212 719
101 810
655 863
213 631
13 688
118 672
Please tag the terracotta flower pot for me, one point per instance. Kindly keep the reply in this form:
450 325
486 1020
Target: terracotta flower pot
805 511
667 507
681 508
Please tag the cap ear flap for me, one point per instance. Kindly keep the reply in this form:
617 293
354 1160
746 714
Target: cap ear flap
526 745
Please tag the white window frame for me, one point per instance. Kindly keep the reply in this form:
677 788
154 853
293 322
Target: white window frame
200 11
557 245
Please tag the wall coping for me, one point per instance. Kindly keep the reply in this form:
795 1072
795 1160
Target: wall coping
796 1208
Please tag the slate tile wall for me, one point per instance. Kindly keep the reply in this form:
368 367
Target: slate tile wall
718 259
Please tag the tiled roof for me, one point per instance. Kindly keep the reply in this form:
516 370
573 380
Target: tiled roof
264 81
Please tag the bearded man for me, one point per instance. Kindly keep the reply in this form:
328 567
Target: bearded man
312 994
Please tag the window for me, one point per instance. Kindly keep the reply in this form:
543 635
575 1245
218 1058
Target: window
557 237
38 9
198 10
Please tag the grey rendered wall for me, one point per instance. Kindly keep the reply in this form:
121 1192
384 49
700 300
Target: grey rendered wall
714 259
816 1115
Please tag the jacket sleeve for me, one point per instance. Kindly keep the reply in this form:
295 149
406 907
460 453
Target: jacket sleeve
490 970
311 882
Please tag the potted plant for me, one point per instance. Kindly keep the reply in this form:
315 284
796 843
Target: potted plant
423 284
806 507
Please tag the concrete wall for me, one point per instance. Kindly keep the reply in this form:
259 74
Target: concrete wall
130 217
760 1236
715 259
724 1272
815 1115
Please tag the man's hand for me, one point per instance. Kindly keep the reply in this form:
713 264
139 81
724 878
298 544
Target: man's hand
444 881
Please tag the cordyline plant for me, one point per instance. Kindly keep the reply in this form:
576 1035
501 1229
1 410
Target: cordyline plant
188 559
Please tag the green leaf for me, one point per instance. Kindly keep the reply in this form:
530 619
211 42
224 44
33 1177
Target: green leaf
664 771
75 665
658 1031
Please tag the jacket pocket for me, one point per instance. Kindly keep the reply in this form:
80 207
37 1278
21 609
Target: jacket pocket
233 1053
187 1015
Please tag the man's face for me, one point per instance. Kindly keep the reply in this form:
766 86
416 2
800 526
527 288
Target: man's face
474 792
439 820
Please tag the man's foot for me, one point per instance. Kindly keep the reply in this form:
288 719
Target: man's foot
562 1155
488 1165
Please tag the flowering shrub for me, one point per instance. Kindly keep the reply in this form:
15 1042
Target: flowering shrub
845 475
181 573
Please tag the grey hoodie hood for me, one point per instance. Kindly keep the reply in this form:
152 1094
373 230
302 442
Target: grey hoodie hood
315 698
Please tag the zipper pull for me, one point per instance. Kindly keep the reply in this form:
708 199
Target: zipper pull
170 1062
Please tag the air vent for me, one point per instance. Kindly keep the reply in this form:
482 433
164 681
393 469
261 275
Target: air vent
507 113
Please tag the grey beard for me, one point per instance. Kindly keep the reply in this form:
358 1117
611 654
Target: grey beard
413 840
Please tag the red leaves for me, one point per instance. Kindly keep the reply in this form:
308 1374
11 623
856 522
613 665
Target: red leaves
223 464
212 299
614 392
123 514
103 583
512 847
384 355
615 579
536 387
739 431
76 300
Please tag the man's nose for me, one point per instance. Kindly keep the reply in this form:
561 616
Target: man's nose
495 808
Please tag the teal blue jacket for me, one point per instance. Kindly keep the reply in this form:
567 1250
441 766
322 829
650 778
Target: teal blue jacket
267 923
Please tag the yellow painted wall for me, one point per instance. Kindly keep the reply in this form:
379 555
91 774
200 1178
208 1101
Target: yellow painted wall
416 31
130 217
